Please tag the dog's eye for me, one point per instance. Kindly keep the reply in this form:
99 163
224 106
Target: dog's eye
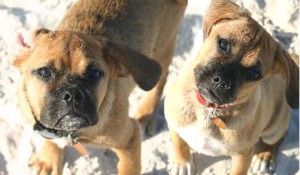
253 74
223 44
44 72
95 73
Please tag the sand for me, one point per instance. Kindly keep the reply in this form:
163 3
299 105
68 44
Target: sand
19 142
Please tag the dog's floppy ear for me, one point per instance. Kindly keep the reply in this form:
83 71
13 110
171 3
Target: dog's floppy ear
220 10
21 45
145 71
285 65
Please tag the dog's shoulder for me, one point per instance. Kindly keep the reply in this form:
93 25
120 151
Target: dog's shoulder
180 100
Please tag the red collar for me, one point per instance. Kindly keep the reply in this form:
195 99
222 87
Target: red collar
202 101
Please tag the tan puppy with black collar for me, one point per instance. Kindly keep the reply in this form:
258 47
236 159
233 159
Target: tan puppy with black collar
235 94
75 81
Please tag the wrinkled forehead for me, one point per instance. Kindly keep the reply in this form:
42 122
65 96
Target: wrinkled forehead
66 50
243 31
244 36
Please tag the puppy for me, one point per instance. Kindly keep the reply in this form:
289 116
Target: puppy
75 81
235 94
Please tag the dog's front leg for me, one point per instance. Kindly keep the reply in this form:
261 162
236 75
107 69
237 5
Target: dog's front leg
146 111
48 160
130 154
182 163
241 163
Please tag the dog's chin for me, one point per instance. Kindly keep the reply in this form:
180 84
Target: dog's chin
213 98
72 122
66 126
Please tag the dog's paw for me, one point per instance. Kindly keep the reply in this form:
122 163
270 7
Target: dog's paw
263 163
186 169
42 164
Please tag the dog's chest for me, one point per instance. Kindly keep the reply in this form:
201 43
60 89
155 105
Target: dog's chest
201 142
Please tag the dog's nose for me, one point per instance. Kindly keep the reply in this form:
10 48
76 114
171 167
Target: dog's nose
221 82
75 95
217 79
218 82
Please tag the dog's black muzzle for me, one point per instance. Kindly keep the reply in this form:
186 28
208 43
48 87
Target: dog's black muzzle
68 108
217 83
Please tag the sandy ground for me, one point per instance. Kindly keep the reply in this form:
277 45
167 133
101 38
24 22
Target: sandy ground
18 142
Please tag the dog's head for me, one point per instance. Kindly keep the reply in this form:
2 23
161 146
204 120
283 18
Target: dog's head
237 55
66 76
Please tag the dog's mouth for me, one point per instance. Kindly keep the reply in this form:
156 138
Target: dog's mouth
71 122
206 101
49 133
208 98
66 126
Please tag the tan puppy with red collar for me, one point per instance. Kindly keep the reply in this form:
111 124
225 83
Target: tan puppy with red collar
235 94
